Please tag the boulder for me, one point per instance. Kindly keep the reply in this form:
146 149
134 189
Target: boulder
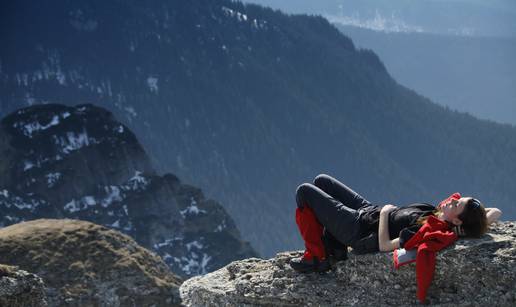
470 272
86 264
19 288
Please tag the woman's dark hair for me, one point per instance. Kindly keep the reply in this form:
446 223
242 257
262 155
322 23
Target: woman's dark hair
474 220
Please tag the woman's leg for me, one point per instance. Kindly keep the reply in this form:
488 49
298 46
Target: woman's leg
341 221
312 232
347 196
340 191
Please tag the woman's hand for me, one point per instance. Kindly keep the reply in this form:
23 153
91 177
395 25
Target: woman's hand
492 215
387 208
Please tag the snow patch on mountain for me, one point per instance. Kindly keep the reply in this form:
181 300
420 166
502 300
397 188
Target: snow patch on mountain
379 22
232 13
74 141
241 17
221 226
52 178
192 209
80 205
29 128
113 194
27 165
152 83
137 182
9 200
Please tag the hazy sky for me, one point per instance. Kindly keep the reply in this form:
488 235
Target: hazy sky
455 17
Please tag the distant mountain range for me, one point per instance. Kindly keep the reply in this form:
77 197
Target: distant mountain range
80 163
472 74
247 103
458 53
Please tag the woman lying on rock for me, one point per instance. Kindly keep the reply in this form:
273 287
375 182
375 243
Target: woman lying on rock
331 216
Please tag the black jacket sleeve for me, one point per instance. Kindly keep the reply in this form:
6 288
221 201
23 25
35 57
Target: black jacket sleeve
368 244
407 233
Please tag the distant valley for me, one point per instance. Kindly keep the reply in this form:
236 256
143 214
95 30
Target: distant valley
470 74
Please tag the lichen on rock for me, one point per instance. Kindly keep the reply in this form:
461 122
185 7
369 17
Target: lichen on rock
469 273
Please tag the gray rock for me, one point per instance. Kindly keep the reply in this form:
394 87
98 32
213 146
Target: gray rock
473 272
20 288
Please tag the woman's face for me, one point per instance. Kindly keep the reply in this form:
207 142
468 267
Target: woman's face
453 209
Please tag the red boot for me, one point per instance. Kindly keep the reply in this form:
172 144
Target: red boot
314 258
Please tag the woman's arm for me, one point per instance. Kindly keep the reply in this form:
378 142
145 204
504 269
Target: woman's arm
493 214
384 242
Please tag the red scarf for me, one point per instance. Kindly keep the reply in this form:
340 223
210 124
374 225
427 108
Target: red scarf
455 196
433 236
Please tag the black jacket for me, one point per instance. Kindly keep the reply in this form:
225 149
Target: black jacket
402 224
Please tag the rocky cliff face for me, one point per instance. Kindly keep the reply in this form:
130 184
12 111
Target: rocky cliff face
79 162
472 272
88 265
20 288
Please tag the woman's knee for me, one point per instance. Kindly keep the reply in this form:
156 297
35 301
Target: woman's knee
301 193
322 180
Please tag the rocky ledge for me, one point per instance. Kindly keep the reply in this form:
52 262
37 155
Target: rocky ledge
472 272
20 289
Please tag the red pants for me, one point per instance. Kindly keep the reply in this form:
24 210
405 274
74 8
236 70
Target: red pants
311 231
